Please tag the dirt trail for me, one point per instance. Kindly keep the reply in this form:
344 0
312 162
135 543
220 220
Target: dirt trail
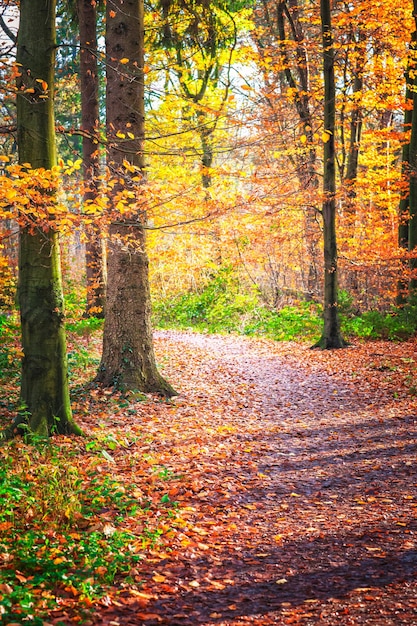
302 501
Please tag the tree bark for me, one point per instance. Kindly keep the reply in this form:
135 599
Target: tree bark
128 359
348 167
412 198
44 393
404 208
331 337
95 250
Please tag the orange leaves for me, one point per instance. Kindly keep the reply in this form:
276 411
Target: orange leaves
43 84
281 508
44 199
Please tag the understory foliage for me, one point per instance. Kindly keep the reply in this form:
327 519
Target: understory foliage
70 527
227 304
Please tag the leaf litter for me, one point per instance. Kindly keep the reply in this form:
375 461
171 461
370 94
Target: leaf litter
292 474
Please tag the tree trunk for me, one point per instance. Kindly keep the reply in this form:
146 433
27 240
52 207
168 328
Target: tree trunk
356 117
95 253
128 359
403 208
412 223
331 337
355 134
44 388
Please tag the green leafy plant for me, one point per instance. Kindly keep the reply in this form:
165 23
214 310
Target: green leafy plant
10 352
84 326
53 538
396 325
223 306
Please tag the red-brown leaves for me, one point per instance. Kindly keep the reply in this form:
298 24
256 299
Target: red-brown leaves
290 474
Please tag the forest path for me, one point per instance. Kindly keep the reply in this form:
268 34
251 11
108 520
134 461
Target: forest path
300 499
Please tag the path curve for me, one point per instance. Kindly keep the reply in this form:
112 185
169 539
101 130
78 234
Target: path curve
307 490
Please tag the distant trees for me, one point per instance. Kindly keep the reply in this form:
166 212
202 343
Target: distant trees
198 39
282 37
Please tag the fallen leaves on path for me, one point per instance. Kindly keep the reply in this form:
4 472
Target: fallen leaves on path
293 474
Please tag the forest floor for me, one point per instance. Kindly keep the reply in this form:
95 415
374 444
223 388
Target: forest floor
297 489
294 477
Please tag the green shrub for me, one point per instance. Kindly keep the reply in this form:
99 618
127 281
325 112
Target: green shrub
218 307
10 351
397 325
290 323
84 326
54 540
222 306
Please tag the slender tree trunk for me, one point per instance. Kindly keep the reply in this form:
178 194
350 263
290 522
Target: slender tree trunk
95 252
331 337
128 357
356 117
412 198
355 133
44 388
403 208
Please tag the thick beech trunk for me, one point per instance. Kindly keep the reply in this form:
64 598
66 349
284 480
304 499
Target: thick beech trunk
128 359
95 253
331 337
44 389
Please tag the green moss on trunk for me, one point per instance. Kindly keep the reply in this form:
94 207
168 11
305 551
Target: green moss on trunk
45 402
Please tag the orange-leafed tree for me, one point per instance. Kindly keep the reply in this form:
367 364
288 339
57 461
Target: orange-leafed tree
412 164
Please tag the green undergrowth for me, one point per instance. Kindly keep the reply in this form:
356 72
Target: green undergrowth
244 315
222 307
10 352
69 527
75 305
394 325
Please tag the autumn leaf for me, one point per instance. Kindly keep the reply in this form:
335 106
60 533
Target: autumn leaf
159 578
